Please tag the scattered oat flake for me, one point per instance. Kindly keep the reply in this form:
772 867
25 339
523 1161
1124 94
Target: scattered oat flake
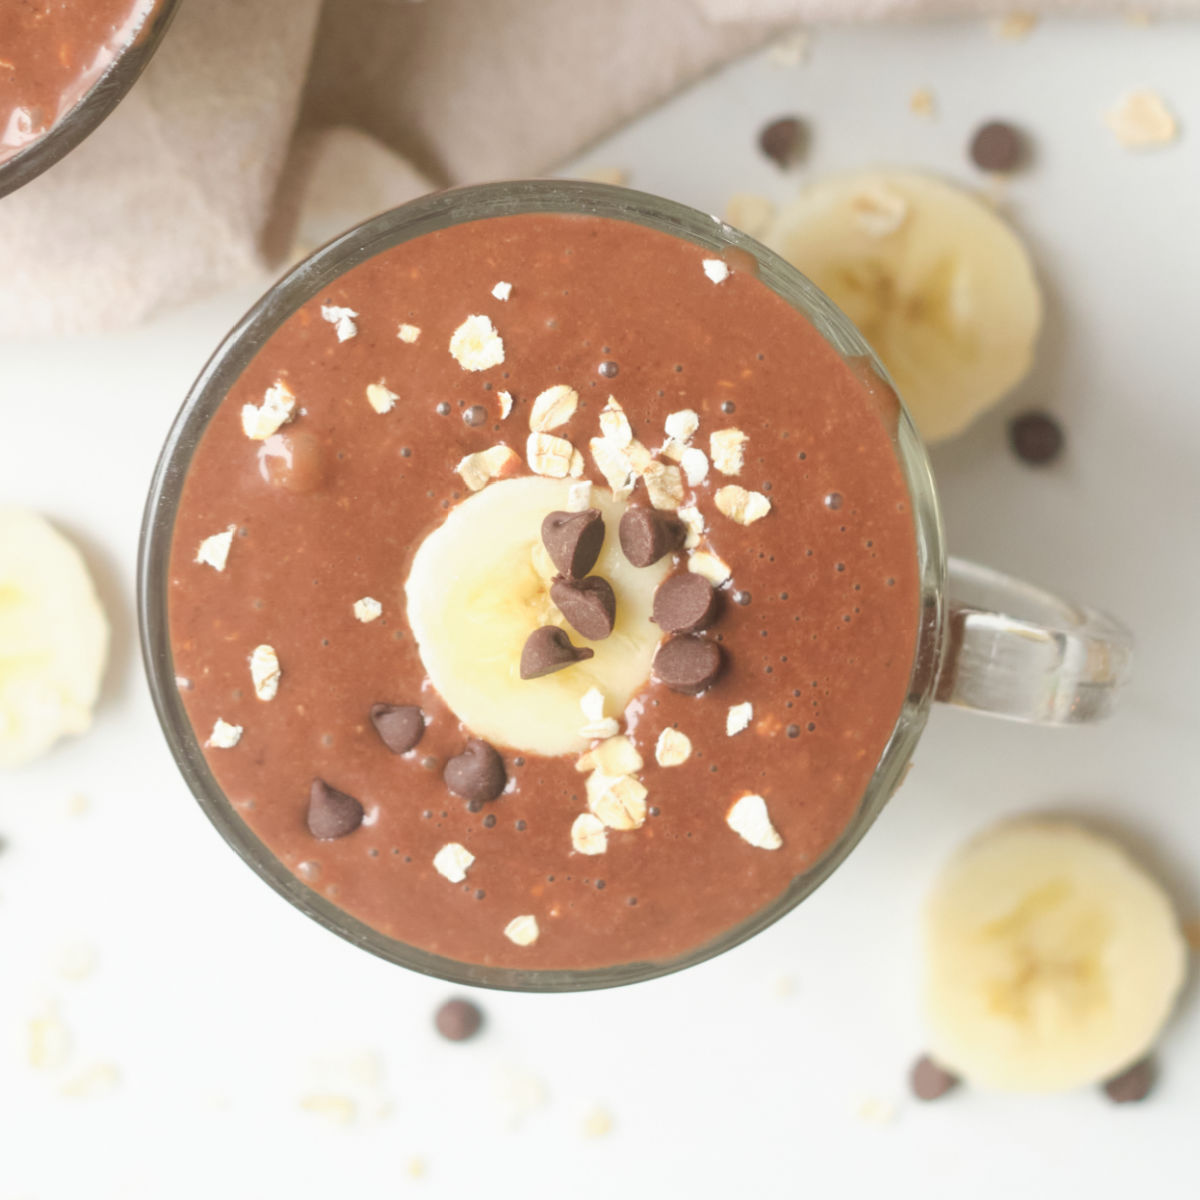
452 862
553 407
727 449
672 748
694 464
260 421
614 465
717 269
339 1109
617 755
876 1111
76 961
342 320
97 1080
738 718
740 505
614 425
598 1123
750 212
475 344
588 835
748 818
681 426
224 736
265 672
215 550
549 455
506 404
619 801
408 333
49 1041
1141 120
579 496
479 469
417 1168
380 397
522 930
367 609
664 485
596 725
790 50
709 566
691 516
878 210
1014 26
502 290
922 103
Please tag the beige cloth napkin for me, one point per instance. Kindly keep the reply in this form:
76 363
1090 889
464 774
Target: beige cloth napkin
256 111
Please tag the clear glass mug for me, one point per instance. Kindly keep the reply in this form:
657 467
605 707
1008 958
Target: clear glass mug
986 642
92 107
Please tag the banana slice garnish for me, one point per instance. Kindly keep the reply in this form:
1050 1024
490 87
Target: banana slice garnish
938 284
53 638
1052 960
480 584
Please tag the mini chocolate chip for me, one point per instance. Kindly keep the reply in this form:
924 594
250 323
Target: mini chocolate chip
547 650
997 146
684 603
929 1081
608 369
331 814
688 663
783 141
647 534
475 415
458 1020
1132 1085
1035 437
477 774
589 605
400 726
573 540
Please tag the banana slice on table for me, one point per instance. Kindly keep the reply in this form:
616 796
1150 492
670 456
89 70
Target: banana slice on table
938 284
480 585
53 638
1052 959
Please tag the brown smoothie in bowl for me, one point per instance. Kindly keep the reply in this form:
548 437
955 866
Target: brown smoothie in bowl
51 53
357 580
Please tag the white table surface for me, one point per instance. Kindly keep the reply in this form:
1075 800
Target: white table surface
777 1070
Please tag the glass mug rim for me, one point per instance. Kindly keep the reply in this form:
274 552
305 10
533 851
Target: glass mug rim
425 215
93 107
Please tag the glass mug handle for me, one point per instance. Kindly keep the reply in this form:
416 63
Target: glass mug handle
1015 651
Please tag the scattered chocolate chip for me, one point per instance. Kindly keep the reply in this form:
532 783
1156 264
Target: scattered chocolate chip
929 1081
1132 1085
547 650
688 663
331 814
400 726
573 540
684 603
647 534
1035 437
458 1020
589 605
475 415
784 141
608 369
477 774
997 146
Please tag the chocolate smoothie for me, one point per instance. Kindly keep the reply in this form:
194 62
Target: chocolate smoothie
410 526
51 53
